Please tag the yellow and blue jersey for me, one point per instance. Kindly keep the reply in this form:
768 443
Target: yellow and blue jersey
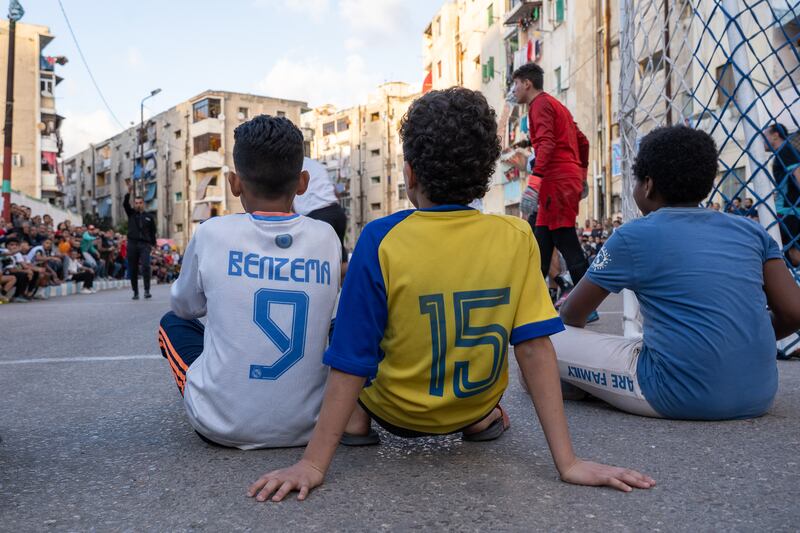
430 303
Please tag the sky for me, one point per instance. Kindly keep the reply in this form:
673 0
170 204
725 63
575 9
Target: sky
318 51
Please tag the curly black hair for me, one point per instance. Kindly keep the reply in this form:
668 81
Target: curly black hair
268 154
681 161
450 140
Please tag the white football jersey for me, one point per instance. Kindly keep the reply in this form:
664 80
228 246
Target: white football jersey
267 284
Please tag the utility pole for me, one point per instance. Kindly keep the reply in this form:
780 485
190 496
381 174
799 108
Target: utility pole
15 12
141 142
607 207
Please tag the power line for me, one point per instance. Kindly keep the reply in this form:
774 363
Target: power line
86 64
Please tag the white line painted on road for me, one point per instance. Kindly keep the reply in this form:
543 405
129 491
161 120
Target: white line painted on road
43 360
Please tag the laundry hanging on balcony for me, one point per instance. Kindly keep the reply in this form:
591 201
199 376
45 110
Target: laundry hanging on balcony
137 171
201 212
49 161
202 186
150 192
104 207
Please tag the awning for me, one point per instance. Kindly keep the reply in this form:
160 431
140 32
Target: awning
427 85
202 185
201 212
150 192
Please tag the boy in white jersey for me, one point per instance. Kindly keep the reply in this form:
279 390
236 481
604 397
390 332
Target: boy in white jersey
266 280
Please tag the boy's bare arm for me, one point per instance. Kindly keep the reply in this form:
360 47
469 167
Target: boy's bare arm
783 297
341 396
584 298
537 359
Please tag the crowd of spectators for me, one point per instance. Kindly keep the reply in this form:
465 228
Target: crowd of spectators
36 253
593 235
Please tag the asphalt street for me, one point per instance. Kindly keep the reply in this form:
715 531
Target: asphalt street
94 438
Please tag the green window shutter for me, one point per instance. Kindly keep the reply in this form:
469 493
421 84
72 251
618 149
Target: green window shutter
559 10
490 15
490 68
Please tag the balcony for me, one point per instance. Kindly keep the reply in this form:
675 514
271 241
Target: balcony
50 143
103 165
49 182
522 11
213 194
207 161
208 125
102 191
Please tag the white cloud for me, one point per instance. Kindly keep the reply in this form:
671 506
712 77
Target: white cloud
375 18
135 58
351 44
80 129
316 9
318 82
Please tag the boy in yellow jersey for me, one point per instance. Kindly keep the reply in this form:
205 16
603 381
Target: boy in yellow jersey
431 301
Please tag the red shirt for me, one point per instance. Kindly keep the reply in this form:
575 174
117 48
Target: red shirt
561 149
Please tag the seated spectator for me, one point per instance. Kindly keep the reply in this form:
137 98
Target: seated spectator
14 265
78 272
709 345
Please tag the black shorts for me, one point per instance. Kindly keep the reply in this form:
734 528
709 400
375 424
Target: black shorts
410 433
337 218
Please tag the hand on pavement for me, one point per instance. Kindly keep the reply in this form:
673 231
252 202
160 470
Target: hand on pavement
302 477
598 475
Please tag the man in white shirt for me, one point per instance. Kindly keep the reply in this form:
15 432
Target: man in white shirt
266 281
320 201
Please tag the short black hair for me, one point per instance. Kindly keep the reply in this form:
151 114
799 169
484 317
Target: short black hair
531 72
778 128
12 241
268 154
681 161
450 140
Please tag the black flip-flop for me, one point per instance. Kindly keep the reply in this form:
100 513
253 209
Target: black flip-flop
495 429
370 439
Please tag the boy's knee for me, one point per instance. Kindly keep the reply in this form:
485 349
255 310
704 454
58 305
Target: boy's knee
169 319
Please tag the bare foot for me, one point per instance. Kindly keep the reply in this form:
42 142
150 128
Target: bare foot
477 427
359 423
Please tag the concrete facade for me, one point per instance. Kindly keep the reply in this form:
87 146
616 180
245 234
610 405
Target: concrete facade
36 142
361 148
188 149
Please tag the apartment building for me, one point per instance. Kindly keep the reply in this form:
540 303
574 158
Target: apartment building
362 150
178 159
36 143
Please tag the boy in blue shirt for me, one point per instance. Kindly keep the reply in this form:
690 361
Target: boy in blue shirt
704 280
426 321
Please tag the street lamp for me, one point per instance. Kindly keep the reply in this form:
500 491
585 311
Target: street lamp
15 12
141 134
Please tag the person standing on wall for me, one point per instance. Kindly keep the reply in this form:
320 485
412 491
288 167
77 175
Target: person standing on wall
141 239
562 162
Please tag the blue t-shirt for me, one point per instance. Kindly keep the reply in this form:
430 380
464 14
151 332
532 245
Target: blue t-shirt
709 347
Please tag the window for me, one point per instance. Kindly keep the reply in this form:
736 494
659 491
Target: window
490 15
559 11
178 165
375 206
206 108
343 124
438 26
559 87
209 142
177 134
244 113
376 152
652 64
401 192
46 85
329 128
178 228
375 179
281 113
726 84
439 69
178 197
488 70
127 155
375 117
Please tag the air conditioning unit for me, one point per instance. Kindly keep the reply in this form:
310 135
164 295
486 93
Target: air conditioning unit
240 116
